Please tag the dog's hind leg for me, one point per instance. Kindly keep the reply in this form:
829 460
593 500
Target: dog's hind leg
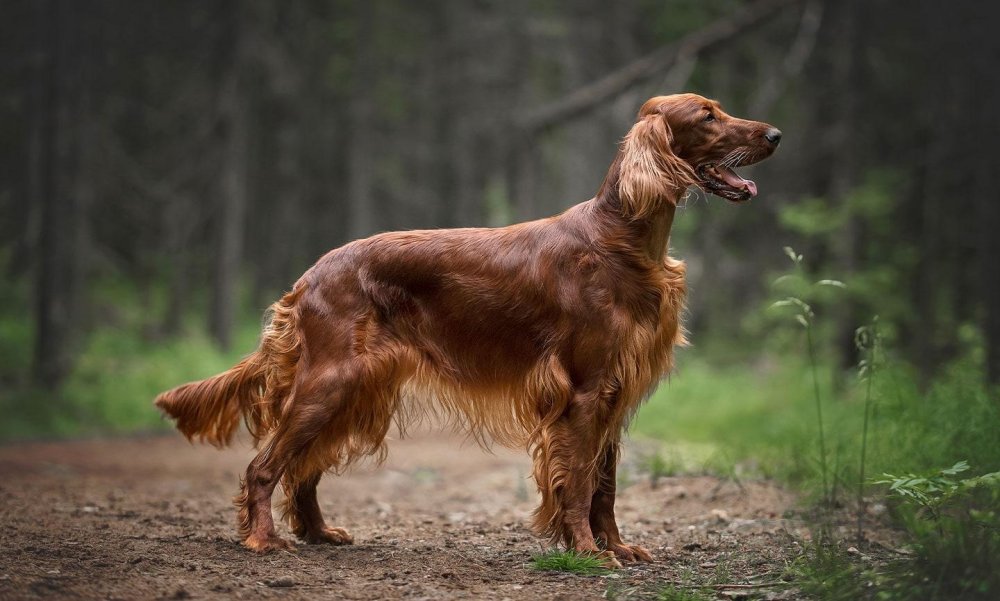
316 398
303 513
256 526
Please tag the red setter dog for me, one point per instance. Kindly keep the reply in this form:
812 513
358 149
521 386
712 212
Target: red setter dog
545 335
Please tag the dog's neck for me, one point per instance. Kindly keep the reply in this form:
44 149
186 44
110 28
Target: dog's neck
658 230
649 234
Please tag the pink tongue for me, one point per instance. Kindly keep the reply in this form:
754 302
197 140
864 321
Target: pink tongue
730 177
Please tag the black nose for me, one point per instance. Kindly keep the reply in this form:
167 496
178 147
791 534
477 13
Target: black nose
773 135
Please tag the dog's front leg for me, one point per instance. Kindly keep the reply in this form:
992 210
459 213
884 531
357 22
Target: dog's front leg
602 509
565 471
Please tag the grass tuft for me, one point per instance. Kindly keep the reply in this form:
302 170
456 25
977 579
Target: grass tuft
827 572
569 561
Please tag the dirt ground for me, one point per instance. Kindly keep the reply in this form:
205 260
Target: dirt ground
151 518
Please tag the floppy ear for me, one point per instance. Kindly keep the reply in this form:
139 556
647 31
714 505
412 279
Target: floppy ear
650 171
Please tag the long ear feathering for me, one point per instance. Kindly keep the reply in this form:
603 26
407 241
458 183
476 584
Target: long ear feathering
650 171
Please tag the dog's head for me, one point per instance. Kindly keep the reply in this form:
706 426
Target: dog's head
686 139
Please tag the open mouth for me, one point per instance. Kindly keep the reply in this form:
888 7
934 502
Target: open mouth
722 181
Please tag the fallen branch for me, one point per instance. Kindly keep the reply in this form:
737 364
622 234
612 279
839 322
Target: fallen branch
747 586
698 42
723 586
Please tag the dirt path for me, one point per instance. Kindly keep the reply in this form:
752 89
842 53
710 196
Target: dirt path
151 518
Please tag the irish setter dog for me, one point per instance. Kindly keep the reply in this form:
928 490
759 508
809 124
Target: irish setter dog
545 335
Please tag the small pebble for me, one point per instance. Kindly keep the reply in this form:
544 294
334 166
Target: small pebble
283 582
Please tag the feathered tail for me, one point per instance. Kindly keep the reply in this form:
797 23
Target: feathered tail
256 387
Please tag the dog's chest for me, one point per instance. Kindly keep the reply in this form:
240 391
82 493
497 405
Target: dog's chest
647 327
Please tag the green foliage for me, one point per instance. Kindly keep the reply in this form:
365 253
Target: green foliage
805 316
569 561
888 423
955 531
118 371
932 492
885 260
955 418
867 340
954 523
761 415
15 333
825 571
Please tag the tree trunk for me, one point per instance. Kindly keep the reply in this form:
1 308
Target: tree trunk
361 155
178 233
844 169
286 251
57 266
987 200
26 245
522 142
231 217
989 234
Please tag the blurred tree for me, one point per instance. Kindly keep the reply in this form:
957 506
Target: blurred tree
361 149
58 183
179 150
230 218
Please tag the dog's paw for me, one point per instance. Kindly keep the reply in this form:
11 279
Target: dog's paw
630 552
266 544
330 536
608 559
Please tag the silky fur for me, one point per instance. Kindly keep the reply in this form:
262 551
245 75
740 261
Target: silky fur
545 335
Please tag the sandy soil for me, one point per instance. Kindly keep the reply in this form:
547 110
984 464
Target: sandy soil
151 518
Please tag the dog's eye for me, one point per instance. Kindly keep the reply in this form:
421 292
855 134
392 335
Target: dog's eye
709 117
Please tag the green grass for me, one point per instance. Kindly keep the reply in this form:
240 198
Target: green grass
827 572
569 561
713 416
759 419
